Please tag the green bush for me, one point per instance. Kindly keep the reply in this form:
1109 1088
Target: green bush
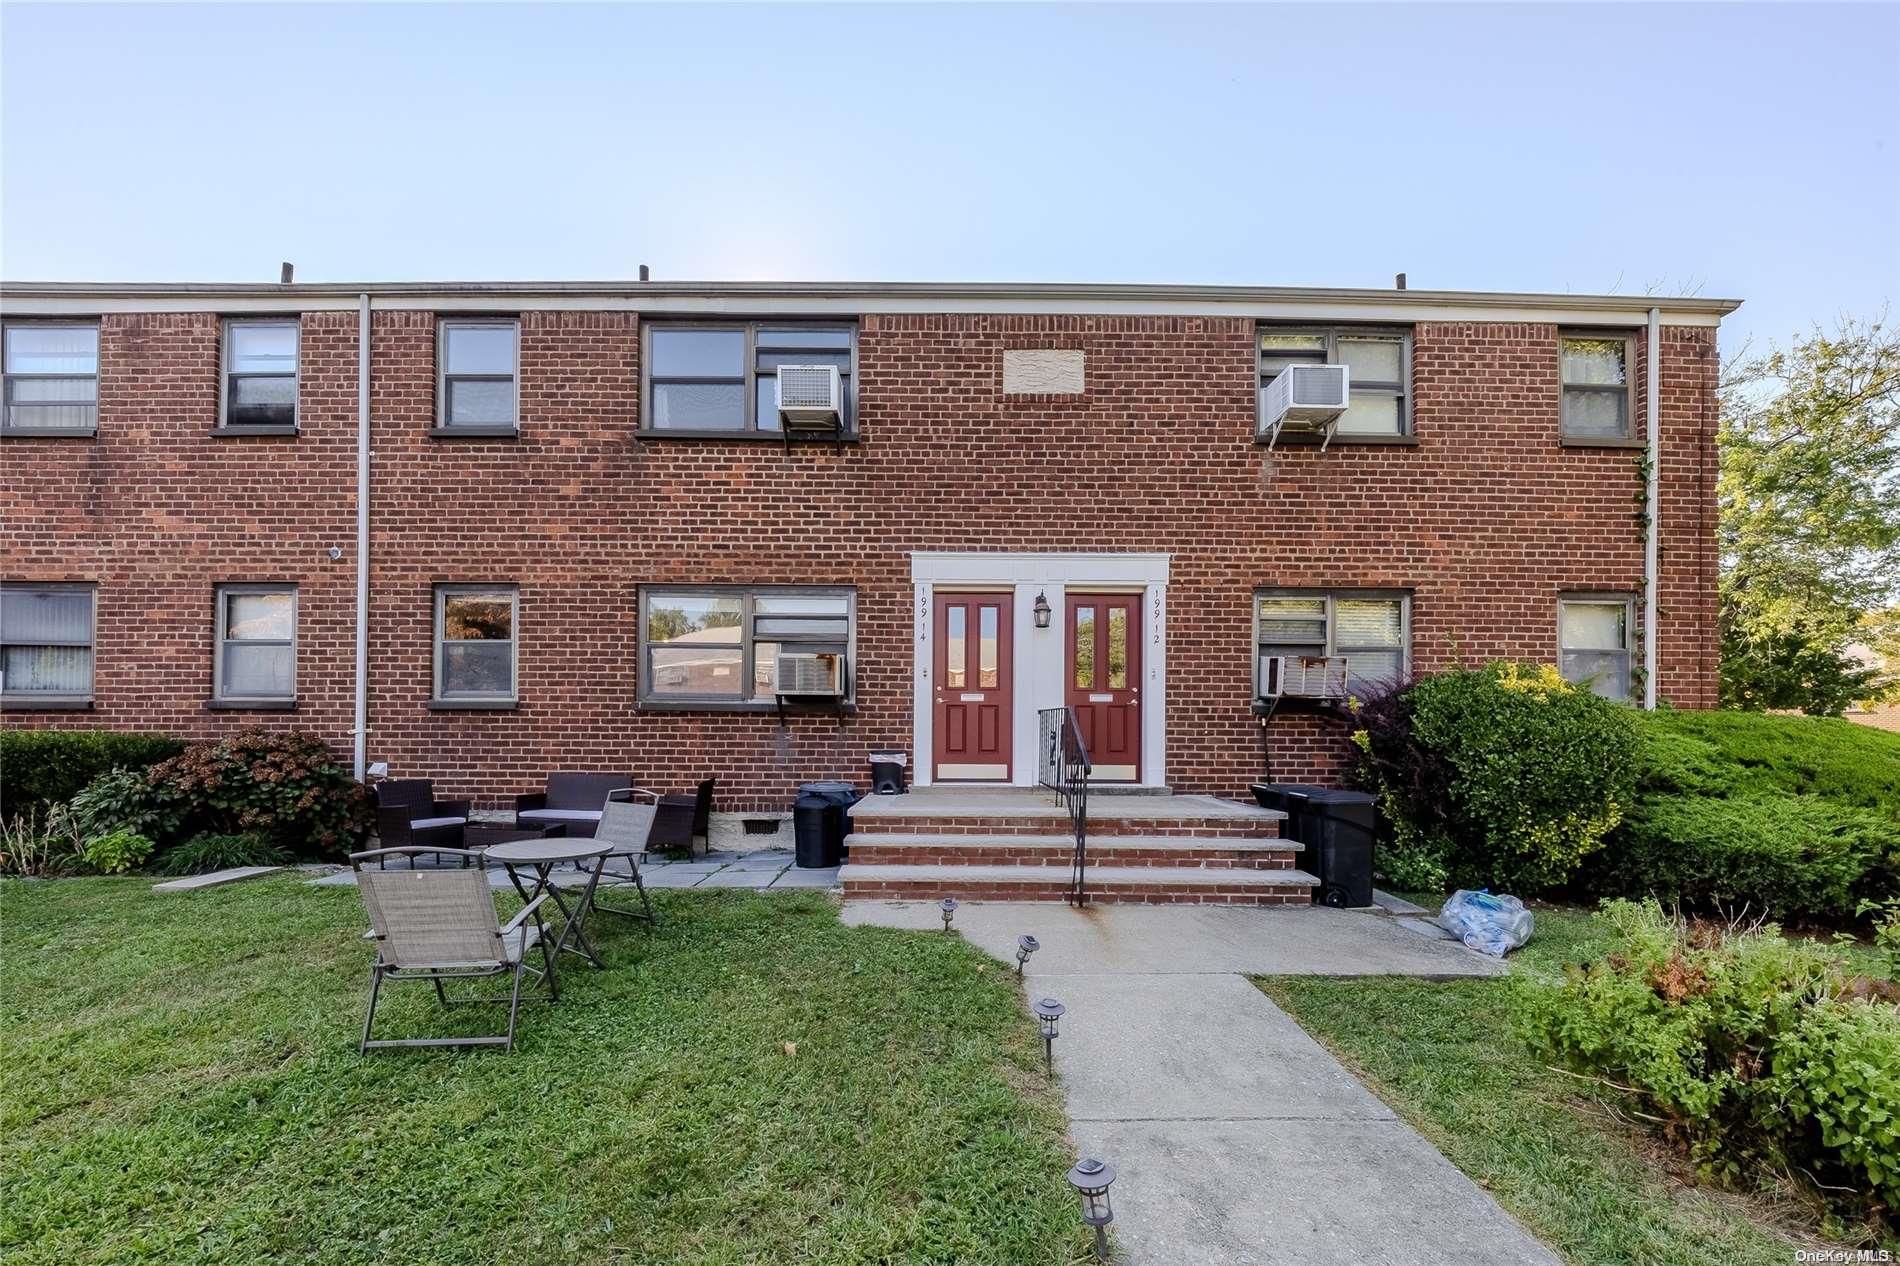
40 768
1755 1053
1506 776
124 799
202 853
286 787
117 851
1797 857
1736 753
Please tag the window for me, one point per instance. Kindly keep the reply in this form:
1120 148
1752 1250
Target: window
1596 386
46 644
1593 636
52 379
476 380
720 644
475 635
1380 362
260 374
256 651
724 379
1371 630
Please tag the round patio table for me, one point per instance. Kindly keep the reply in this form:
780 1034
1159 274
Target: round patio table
539 858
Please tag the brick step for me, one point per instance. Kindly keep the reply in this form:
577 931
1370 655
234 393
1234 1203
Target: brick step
1262 853
1110 885
1261 825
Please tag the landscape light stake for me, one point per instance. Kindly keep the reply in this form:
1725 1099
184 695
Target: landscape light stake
1049 1011
1091 1179
1025 946
949 907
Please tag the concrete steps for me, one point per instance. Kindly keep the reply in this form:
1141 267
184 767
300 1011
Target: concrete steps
1017 845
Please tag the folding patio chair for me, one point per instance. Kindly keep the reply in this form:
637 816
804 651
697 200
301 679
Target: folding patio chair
626 822
438 925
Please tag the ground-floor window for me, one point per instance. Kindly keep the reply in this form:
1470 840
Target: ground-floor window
256 647
742 645
1370 629
476 633
46 636
1594 636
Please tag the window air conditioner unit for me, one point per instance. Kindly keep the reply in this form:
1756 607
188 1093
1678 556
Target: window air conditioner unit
810 398
811 673
1303 677
1307 399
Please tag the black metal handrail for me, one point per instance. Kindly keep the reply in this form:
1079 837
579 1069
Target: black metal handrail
1065 770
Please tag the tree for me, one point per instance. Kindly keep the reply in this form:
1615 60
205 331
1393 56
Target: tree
1809 530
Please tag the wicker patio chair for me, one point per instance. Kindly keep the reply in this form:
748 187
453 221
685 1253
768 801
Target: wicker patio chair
626 821
683 819
438 925
409 817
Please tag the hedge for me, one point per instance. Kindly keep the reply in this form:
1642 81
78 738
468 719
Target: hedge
1738 753
43 767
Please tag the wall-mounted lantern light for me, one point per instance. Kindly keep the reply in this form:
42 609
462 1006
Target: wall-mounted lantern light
1042 610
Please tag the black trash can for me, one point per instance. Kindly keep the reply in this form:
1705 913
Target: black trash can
816 840
1336 828
887 773
835 824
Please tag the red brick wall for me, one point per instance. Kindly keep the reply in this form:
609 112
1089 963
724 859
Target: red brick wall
1487 519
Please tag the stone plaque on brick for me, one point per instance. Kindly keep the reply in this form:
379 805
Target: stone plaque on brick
1042 371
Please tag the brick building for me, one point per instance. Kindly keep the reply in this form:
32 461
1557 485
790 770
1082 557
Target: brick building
590 547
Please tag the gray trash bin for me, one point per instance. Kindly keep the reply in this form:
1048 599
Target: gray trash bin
1336 828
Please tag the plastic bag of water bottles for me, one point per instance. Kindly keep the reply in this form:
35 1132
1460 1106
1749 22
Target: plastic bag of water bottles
1490 923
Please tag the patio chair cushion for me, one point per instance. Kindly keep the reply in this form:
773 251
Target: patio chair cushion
423 824
561 815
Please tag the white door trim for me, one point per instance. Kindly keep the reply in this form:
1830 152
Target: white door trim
1039 660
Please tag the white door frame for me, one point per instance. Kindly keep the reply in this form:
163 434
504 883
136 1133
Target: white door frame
1040 663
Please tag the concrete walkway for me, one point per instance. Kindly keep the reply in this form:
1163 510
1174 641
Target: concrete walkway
1238 1138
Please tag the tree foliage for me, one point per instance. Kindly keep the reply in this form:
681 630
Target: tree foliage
1809 531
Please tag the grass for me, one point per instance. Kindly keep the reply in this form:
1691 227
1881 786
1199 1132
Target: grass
182 1085
1597 1190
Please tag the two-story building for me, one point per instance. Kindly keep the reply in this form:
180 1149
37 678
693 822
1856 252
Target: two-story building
484 531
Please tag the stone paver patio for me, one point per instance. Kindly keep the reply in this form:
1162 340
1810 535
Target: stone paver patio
770 868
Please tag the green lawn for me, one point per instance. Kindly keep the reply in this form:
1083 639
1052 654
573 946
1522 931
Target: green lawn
182 1085
1596 1190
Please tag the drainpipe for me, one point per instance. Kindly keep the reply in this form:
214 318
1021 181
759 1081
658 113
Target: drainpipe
360 734
1652 546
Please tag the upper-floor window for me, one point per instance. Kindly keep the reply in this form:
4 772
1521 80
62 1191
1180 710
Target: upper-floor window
1370 629
1594 634
46 634
476 634
1596 386
256 647
1380 365
52 378
723 379
721 644
260 373
478 374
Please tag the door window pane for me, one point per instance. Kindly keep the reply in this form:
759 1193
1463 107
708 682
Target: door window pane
1085 648
52 349
956 644
1118 648
698 353
986 649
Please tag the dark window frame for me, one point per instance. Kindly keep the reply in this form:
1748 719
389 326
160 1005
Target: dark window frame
1602 598
1332 646
746 381
28 700
1401 389
1626 389
444 425
748 596
9 376
221 638
440 593
227 376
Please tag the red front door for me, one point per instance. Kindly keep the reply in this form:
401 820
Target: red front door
973 688
1104 681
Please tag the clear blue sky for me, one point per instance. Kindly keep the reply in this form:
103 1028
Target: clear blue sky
1736 150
